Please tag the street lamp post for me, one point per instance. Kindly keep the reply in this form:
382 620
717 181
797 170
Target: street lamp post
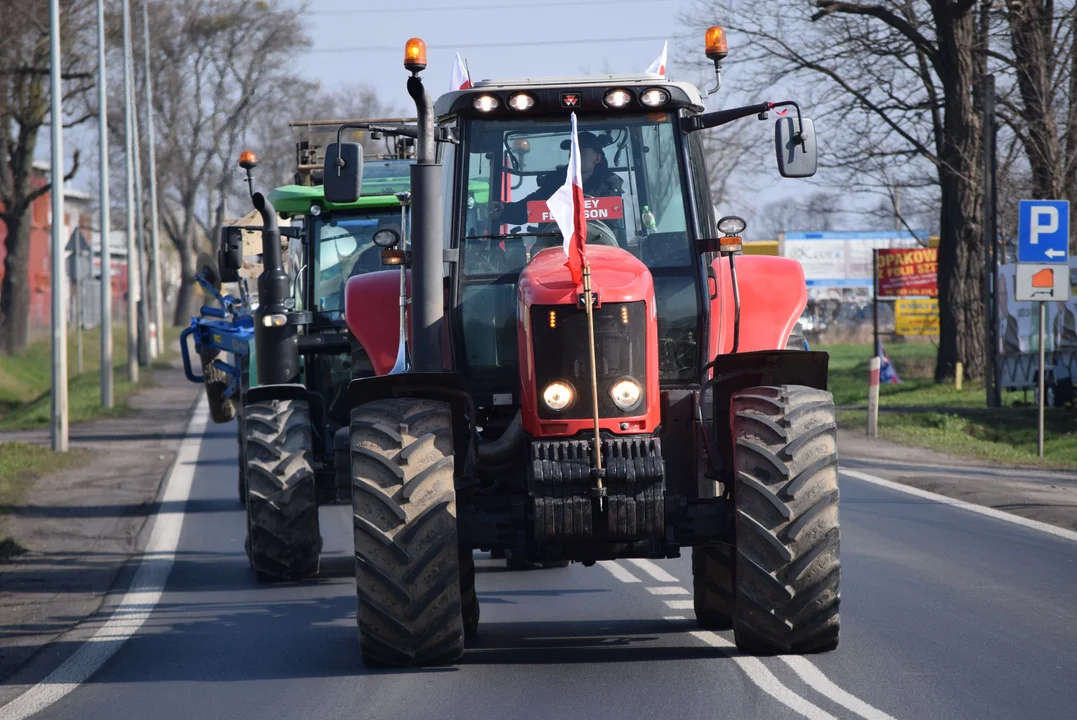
59 278
106 264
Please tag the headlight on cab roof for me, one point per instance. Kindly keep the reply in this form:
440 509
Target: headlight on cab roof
618 98
654 97
485 103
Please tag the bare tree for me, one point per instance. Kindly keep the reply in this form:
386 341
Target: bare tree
1042 111
24 110
218 65
898 80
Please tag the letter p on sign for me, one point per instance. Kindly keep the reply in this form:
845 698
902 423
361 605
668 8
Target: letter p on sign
1045 221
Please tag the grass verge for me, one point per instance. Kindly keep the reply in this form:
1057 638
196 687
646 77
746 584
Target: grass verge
25 379
20 465
920 413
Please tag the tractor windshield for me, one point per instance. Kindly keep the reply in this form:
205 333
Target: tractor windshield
345 247
633 199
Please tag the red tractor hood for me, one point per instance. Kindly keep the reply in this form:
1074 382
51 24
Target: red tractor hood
616 276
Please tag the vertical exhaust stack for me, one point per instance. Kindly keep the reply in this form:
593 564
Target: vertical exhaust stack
427 294
277 340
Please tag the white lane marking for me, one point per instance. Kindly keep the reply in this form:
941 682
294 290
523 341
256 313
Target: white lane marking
814 677
679 604
674 617
618 572
145 591
667 590
971 507
653 570
764 679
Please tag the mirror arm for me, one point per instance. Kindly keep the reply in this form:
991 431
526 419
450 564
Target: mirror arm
722 117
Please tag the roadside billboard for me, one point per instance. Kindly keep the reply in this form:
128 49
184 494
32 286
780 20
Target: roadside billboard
916 316
911 272
838 264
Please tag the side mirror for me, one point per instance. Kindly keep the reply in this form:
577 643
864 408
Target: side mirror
341 182
230 254
795 147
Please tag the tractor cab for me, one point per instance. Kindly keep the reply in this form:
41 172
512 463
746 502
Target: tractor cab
640 175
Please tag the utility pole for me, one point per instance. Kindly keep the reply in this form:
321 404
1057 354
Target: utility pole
140 225
106 264
59 277
132 257
155 262
994 398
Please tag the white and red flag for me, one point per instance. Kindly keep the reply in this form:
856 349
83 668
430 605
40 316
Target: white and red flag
460 79
566 208
658 67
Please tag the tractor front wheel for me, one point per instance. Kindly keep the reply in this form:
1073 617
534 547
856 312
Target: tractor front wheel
407 554
712 586
283 537
787 565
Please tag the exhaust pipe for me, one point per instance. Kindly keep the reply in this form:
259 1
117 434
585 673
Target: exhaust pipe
277 343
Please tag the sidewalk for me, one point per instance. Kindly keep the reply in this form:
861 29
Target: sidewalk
81 525
1046 495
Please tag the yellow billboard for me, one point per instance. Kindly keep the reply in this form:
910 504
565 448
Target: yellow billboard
916 316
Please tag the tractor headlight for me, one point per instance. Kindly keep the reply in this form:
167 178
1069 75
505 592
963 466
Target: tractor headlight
557 396
626 393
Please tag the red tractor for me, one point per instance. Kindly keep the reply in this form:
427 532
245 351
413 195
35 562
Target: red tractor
510 418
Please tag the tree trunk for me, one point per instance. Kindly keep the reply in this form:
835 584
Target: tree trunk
185 294
15 289
961 259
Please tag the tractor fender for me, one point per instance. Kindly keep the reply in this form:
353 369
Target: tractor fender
773 294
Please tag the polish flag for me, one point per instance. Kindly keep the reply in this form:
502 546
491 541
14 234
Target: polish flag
566 208
658 67
460 79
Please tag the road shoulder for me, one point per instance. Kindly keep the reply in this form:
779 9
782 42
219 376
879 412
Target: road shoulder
1049 496
81 525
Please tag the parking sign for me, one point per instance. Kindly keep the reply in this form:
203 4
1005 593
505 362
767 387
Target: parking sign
1043 232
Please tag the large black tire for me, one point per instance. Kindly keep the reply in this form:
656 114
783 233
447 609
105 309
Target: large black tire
712 586
786 493
469 598
221 409
241 432
283 538
407 557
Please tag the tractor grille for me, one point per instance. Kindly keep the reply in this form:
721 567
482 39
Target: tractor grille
559 333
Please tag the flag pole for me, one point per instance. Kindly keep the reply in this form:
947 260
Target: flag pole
588 302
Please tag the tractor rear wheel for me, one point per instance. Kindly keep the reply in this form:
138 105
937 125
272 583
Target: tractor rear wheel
407 557
712 586
469 599
241 430
787 564
221 409
283 537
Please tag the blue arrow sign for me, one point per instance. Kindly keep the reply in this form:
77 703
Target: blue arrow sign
1043 231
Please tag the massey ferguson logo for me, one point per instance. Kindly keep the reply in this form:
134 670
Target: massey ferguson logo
570 100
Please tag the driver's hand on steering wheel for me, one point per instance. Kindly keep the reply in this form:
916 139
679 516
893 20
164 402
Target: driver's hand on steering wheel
496 208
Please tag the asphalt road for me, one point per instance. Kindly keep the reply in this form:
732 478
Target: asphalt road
945 614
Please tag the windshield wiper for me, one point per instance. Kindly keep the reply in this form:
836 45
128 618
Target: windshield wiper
511 235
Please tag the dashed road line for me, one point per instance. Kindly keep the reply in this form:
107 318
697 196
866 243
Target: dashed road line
971 507
674 617
145 591
764 679
653 570
679 604
814 677
667 590
618 572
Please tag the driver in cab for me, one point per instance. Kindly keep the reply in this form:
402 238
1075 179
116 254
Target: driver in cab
598 180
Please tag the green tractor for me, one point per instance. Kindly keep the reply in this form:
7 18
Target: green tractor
293 415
